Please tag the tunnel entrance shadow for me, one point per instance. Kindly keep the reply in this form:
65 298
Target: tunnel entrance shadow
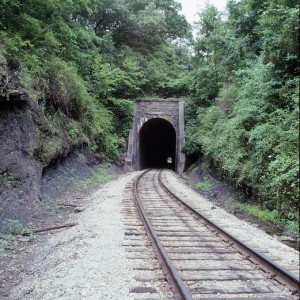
157 144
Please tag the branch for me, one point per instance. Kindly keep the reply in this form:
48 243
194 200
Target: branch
54 227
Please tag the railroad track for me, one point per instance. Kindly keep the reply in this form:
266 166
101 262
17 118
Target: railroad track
180 254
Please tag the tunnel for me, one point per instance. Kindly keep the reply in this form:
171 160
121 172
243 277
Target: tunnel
157 144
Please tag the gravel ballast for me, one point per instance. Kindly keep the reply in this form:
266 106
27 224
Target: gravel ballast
89 260
255 237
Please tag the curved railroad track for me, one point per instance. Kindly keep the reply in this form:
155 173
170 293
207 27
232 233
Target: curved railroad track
196 258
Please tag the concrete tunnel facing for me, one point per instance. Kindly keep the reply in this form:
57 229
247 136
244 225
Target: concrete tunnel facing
157 135
157 144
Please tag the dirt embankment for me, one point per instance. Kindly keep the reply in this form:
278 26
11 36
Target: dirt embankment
31 141
226 195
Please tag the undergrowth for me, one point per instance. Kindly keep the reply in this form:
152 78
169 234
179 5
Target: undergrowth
204 185
15 227
291 223
100 175
11 229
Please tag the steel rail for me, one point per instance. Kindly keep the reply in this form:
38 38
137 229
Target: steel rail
177 286
276 271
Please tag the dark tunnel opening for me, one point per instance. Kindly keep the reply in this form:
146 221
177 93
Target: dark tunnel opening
157 144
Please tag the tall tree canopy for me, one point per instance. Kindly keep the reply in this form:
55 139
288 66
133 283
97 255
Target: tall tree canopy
88 58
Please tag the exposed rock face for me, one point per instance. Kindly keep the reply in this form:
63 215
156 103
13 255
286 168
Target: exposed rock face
19 171
19 140
29 142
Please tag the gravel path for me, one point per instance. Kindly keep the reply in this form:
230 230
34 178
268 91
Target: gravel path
88 261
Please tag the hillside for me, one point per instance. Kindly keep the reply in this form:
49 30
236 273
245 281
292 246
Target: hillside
70 71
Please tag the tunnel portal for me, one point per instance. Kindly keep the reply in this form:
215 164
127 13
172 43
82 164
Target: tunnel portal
157 135
157 144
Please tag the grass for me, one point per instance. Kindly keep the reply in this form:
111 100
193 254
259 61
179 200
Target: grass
293 227
11 229
100 175
15 227
52 208
7 179
204 185
264 215
193 166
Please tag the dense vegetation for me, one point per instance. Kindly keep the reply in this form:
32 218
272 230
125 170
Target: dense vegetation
84 60
244 107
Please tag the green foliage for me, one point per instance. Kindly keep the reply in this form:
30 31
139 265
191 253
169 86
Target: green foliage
111 81
14 227
204 185
290 222
141 25
51 146
166 72
73 131
244 105
123 115
7 179
100 175
87 58
293 227
193 167
110 144
68 92
93 146
279 29
262 214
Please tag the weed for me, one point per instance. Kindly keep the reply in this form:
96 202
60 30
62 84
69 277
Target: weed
193 166
264 215
14 227
93 146
7 179
52 208
231 205
73 131
292 227
204 185
8 242
101 174
52 146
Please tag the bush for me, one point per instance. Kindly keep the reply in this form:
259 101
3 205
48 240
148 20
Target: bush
253 137
68 91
